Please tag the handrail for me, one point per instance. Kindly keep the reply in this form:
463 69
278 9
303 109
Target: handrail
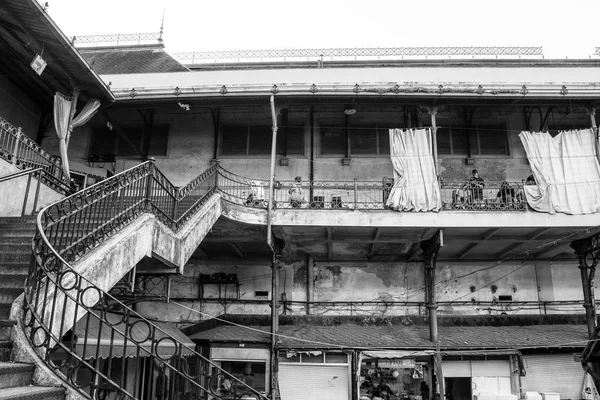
21 151
29 173
57 297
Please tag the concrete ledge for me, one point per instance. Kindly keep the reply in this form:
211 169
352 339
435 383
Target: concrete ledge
394 219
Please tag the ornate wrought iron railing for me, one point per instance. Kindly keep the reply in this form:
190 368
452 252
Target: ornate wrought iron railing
364 195
21 151
492 196
365 52
94 342
340 195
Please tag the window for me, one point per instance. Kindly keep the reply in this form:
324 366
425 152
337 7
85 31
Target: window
106 141
481 139
363 140
319 358
246 140
369 140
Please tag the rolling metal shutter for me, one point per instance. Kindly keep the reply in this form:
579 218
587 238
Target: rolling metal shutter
314 382
554 373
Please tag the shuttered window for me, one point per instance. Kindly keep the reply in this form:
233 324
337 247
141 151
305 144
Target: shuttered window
482 140
106 141
333 140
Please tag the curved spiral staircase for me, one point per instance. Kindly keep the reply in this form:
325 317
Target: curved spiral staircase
58 295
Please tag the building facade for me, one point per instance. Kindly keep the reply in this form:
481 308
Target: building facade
334 234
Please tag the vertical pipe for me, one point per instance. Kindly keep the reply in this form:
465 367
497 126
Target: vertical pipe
312 151
433 112
592 113
272 175
310 284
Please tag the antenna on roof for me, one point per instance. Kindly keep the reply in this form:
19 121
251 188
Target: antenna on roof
162 24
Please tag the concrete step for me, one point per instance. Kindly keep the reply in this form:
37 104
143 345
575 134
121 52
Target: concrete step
8 295
5 349
6 328
5 310
15 256
12 280
14 268
16 240
15 374
32 393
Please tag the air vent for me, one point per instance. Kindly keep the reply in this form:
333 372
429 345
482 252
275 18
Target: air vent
505 297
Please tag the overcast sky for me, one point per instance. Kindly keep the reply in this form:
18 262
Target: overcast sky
562 28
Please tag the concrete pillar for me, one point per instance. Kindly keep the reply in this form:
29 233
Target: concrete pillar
310 284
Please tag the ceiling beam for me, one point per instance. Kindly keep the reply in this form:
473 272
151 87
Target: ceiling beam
372 246
329 243
237 250
554 250
488 235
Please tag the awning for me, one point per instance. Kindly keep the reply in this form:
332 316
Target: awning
396 353
98 339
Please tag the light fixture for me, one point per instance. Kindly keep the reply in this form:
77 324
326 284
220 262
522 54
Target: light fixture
350 111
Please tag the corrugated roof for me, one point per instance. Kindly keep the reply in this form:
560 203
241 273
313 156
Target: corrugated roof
413 336
140 59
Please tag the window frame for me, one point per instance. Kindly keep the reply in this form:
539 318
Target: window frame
347 131
118 142
475 129
247 154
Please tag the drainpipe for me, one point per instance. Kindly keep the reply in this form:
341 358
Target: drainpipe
312 151
433 113
272 175
592 112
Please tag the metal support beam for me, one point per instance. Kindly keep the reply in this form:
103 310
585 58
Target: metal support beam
486 237
329 243
372 246
237 250
588 255
275 267
431 249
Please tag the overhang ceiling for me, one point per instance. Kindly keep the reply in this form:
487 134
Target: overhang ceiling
26 30
234 240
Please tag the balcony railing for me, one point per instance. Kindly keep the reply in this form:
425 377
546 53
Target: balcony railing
364 195
21 151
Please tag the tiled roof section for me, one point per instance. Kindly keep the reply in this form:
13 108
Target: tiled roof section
406 337
131 60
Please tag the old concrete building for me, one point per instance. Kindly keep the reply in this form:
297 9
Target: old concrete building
186 259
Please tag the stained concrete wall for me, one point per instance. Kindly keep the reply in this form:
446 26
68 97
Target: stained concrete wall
12 193
191 147
377 288
18 108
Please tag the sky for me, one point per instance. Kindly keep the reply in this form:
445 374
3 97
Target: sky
560 27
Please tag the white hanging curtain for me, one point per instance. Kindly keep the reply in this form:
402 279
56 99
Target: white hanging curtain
566 171
62 113
416 186
64 127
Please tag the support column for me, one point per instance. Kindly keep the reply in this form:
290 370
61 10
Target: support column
274 379
431 249
588 250
310 284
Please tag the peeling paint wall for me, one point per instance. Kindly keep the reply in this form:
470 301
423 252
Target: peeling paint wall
191 147
376 288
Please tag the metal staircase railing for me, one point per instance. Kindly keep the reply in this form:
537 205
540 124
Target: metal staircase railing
21 151
57 298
